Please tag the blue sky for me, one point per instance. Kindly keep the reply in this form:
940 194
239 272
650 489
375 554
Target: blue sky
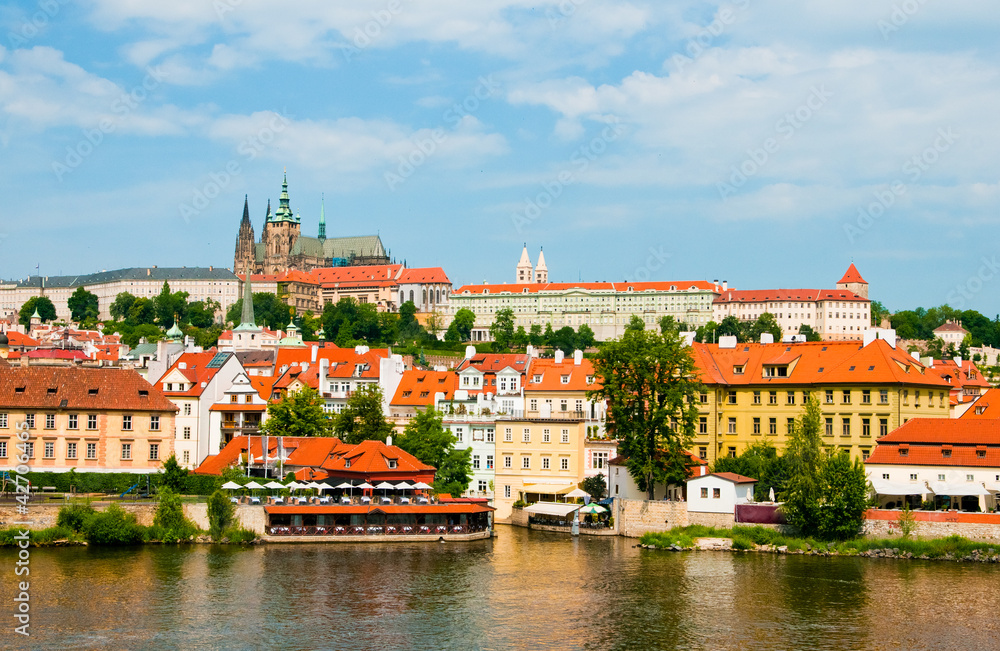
765 143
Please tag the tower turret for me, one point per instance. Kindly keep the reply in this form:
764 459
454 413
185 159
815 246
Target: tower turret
541 271
525 273
322 218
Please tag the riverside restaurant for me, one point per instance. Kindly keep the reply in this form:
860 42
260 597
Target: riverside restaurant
456 520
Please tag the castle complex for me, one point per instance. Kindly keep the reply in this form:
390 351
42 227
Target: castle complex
282 247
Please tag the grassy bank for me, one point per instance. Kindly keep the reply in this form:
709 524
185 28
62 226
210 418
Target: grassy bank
754 538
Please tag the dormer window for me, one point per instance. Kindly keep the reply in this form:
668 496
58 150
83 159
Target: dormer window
738 370
347 463
590 379
392 463
564 379
946 453
536 378
980 410
776 371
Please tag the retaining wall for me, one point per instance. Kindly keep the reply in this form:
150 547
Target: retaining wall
984 527
43 516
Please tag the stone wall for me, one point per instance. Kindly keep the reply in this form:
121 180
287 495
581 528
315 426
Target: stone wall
984 527
718 520
43 516
636 517
519 517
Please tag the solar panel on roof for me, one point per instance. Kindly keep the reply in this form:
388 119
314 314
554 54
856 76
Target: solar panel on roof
218 360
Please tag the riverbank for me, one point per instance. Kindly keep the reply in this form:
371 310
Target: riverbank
761 539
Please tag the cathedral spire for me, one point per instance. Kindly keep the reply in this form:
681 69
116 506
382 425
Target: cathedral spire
247 318
322 218
246 210
284 212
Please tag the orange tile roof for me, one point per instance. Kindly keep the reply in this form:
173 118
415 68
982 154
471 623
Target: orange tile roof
923 442
824 362
362 275
852 276
263 384
806 295
493 362
240 407
370 457
424 275
730 476
552 375
414 384
950 326
291 275
41 387
196 373
20 340
534 288
990 404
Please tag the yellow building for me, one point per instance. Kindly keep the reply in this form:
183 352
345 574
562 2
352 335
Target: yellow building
537 458
754 392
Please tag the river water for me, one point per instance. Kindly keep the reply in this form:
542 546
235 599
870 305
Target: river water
521 590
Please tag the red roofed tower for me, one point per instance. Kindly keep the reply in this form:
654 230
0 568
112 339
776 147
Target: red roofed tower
853 282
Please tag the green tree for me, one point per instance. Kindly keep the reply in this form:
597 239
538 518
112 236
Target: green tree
113 526
142 312
547 334
804 456
170 516
595 485
732 327
765 323
201 314
807 330
121 306
299 413
407 312
362 419
173 475
878 313
635 323
464 321
708 333
83 305
585 337
45 308
844 497
451 334
650 383
221 514
502 330
564 339
427 439
520 341
759 460
535 336
668 322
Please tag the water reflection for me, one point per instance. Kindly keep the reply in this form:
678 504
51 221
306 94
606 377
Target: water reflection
522 590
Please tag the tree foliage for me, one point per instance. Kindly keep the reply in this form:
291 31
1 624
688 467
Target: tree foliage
173 474
83 305
362 419
502 330
427 439
650 383
298 413
807 330
45 308
762 462
221 513
268 311
595 485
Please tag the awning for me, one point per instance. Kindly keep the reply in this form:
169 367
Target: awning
958 489
548 489
886 487
990 486
552 508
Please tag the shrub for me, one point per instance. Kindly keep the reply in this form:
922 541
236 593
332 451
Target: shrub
113 526
741 543
169 523
221 514
239 535
75 515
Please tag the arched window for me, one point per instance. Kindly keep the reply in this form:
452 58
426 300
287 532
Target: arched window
425 297
411 295
401 298
439 295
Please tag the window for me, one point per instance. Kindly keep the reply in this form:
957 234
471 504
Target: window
154 423
187 433
565 436
50 421
545 436
789 426
791 398
73 422
916 398
805 397
154 451
599 460
91 421
738 370
482 486
70 451
756 397
49 450
756 426
508 461
941 477
865 453
829 427
703 452
579 406
233 398
866 397
946 453
913 476
772 426
29 449
866 427
30 419
506 491
526 462
526 435
563 405
127 422
391 463
126 451
732 452
906 396
187 408
545 463
883 396
91 450
475 462
732 425
703 397
703 425
489 436
829 396
885 475
3 421
716 493
772 397
564 464
533 405
704 493
846 397
845 427
186 457
459 434
508 435
489 462
969 478
883 426
732 397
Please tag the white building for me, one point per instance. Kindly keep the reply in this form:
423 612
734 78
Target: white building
719 492
951 332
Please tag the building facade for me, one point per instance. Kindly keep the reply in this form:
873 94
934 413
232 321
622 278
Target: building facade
91 420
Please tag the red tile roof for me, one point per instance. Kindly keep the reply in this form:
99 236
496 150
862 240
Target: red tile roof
112 389
824 362
358 276
19 340
371 457
414 384
56 353
925 441
534 288
196 373
990 404
950 326
388 509
766 295
852 276
552 375
491 363
424 275
731 476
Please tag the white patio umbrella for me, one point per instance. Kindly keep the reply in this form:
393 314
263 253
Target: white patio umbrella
593 508
576 492
364 485
422 486
347 486
323 486
274 485
231 486
253 485
294 486
385 486
403 486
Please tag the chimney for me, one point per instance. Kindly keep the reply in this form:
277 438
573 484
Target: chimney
559 357
958 362
766 338
725 285
577 357
324 368
388 440
315 352
182 365
470 352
